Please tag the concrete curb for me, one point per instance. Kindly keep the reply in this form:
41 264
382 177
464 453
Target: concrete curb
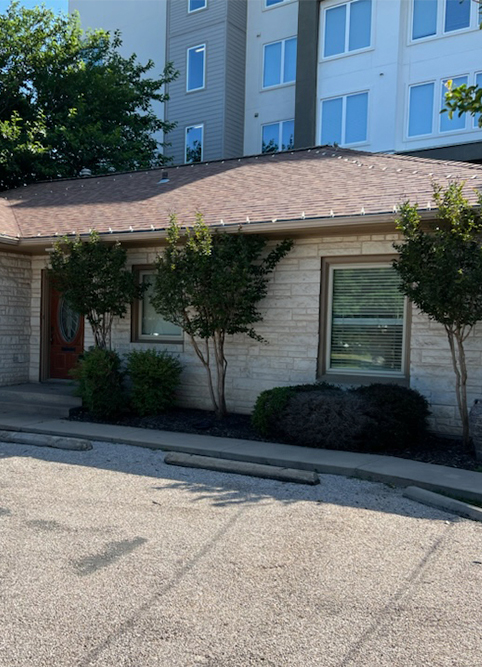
443 503
41 440
242 468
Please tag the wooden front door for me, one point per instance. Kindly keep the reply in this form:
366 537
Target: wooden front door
66 336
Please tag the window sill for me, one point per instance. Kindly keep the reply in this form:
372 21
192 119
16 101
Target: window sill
350 379
345 54
157 340
277 86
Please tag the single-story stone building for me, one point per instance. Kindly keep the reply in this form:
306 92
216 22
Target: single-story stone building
333 311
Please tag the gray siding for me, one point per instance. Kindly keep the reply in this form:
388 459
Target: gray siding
235 91
220 105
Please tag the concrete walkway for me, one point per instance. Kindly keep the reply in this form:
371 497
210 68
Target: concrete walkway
400 472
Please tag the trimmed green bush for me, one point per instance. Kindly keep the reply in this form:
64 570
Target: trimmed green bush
400 415
155 377
271 404
377 417
100 382
330 420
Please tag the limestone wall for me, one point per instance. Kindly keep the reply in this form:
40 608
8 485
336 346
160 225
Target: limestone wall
291 326
15 282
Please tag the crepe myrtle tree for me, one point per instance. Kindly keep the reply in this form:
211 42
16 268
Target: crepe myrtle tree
463 99
93 278
441 273
210 285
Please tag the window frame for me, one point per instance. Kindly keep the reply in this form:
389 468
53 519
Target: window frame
282 63
440 31
346 51
437 107
193 48
280 124
344 97
328 264
188 127
139 271
199 9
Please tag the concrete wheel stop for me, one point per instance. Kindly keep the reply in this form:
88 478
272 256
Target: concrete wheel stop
44 440
242 468
444 503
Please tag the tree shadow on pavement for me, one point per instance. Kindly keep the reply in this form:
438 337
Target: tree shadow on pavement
224 489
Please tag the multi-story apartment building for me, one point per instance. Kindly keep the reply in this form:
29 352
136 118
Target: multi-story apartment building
260 75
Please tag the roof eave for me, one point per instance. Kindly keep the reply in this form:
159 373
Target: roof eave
292 226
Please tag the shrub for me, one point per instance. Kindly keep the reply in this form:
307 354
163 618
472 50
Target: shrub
400 415
328 419
155 377
377 417
271 404
100 382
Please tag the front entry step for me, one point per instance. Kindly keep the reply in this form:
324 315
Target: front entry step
46 399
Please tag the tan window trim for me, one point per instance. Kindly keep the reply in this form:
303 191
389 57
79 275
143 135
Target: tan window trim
351 377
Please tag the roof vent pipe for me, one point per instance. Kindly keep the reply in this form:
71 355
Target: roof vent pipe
164 177
85 173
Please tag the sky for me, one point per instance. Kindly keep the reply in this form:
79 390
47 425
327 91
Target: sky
56 5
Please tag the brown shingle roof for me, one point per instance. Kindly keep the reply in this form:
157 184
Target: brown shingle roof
8 223
318 183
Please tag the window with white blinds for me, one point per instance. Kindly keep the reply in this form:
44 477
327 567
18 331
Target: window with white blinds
366 320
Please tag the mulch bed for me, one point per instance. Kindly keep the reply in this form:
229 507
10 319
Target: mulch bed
438 450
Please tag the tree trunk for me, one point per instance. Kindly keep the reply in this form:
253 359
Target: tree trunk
456 341
221 366
205 360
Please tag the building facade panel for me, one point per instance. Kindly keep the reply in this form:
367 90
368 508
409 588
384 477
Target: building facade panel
15 318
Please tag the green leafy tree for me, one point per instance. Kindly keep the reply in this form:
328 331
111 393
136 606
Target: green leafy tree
69 100
93 278
441 272
210 285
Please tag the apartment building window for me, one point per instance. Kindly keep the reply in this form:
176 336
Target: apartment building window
194 143
432 17
478 83
421 120
272 3
347 28
196 67
366 317
196 5
457 122
344 120
278 136
149 325
279 63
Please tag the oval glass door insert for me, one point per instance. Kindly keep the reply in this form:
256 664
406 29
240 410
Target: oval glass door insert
69 321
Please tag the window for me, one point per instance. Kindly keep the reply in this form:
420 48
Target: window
478 83
196 65
344 120
457 122
347 27
457 15
196 5
279 63
365 320
272 3
151 325
427 20
278 136
421 110
194 143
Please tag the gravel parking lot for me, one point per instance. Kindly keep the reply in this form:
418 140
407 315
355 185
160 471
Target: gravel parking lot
112 558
